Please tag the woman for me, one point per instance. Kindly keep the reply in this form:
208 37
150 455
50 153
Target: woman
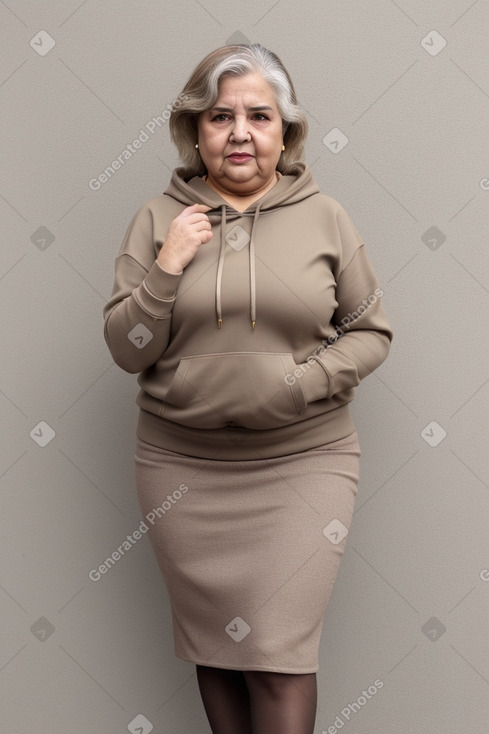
246 301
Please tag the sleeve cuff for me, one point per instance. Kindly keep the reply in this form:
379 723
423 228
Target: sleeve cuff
315 382
156 294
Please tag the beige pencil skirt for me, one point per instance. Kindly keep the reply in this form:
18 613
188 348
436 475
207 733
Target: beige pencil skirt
249 550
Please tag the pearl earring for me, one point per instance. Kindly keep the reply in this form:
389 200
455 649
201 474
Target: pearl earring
283 147
196 145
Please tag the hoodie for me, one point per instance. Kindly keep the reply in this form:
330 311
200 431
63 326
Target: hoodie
255 350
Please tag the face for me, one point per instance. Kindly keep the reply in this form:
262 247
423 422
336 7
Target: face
240 137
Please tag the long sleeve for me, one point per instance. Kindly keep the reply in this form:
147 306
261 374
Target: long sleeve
138 314
362 338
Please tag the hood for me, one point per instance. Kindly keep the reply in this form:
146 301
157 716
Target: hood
289 190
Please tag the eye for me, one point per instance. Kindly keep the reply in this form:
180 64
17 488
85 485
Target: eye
260 116
220 117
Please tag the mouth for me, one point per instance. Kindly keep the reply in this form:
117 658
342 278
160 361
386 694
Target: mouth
238 157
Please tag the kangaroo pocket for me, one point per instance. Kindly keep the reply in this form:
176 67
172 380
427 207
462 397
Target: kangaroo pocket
235 389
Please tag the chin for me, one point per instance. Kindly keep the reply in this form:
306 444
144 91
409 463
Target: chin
245 183
242 177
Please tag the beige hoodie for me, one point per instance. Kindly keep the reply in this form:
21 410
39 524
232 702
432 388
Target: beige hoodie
255 350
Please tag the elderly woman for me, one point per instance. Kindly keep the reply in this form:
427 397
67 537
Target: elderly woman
246 301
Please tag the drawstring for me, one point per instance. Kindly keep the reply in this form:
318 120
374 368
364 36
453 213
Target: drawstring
221 266
252 270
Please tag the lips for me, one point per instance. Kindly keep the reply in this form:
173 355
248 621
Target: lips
237 157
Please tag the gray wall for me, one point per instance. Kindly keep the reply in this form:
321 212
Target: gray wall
411 602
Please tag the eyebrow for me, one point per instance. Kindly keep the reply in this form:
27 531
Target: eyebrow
253 109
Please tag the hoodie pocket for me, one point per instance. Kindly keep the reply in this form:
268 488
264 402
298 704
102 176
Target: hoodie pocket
243 389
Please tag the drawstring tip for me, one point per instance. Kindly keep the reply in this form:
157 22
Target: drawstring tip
253 324
219 323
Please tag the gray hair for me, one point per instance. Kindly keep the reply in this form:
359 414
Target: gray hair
202 89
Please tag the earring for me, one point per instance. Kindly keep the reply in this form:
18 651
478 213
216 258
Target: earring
283 147
196 145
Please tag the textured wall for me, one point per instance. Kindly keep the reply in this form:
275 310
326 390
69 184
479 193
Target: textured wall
405 85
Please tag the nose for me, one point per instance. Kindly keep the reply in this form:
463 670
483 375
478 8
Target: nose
240 131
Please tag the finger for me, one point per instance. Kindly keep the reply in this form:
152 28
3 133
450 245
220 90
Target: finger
206 236
197 218
195 208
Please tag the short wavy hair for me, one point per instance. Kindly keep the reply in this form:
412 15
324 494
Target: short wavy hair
201 92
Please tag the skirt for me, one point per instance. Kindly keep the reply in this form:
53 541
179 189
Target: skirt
249 550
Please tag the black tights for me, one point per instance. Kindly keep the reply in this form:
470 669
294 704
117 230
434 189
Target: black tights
258 702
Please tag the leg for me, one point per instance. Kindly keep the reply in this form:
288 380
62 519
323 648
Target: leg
282 703
225 698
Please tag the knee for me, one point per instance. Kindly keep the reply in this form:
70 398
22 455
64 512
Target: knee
273 683
210 671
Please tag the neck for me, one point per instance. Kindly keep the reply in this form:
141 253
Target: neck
238 201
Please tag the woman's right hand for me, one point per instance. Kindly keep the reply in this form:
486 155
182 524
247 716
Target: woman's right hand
186 234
